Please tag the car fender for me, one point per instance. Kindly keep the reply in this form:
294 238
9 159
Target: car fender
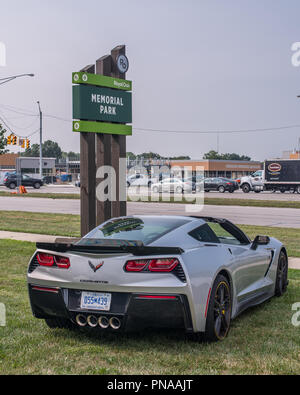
201 277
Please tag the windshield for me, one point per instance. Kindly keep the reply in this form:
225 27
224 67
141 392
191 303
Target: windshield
257 174
142 229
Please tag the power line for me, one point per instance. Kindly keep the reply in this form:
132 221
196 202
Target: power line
218 131
17 126
18 110
15 134
139 129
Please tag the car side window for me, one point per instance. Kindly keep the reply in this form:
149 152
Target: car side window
204 234
223 235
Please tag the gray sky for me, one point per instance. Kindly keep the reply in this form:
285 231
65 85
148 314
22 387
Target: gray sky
195 65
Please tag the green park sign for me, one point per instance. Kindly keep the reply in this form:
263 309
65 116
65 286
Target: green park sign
102 127
101 80
95 103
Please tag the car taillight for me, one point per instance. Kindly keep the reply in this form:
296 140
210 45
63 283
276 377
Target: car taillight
163 265
45 259
53 260
62 262
5 179
229 183
136 266
152 265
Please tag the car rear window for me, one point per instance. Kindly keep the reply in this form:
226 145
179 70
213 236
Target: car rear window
142 229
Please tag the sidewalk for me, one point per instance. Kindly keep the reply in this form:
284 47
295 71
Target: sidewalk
294 263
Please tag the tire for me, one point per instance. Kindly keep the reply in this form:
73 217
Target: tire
12 185
298 189
282 190
36 185
281 275
149 184
257 191
206 190
179 190
246 188
61 323
155 189
231 190
218 313
221 189
128 184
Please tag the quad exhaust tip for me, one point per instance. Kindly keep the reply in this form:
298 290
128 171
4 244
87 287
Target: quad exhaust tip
103 322
115 323
92 321
81 320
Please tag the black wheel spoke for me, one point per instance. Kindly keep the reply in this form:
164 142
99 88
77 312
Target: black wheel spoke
222 295
218 324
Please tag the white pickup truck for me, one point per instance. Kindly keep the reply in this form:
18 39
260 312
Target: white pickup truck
254 182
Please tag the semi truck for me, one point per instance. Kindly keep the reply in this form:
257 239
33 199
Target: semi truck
278 175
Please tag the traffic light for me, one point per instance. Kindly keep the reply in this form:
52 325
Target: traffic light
22 142
9 140
14 140
27 144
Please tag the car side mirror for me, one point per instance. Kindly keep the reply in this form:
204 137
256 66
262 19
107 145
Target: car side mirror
260 241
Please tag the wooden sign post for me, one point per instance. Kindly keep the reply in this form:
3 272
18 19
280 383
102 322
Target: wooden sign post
102 143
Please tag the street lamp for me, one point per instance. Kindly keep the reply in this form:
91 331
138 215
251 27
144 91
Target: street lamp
8 79
41 140
298 142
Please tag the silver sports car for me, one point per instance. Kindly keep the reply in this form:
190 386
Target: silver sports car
131 273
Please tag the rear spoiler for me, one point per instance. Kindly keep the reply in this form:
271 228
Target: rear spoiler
108 246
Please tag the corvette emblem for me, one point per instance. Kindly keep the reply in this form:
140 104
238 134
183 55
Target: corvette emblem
95 268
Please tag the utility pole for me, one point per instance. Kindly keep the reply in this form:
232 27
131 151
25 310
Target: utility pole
41 141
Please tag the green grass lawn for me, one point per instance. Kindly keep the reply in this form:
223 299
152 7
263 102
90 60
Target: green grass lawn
40 223
42 195
261 341
69 225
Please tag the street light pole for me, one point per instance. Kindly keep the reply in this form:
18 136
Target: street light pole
41 141
8 79
298 141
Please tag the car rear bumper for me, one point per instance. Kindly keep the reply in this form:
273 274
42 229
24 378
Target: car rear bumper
135 311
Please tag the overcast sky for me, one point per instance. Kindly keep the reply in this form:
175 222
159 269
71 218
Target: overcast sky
196 65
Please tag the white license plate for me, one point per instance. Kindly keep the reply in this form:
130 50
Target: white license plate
95 301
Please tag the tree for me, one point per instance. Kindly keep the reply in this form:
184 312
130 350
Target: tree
3 141
32 152
50 149
214 155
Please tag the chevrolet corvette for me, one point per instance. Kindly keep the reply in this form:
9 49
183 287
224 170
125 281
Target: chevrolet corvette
138 272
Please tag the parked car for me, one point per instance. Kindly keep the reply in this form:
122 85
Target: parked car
189 273
220 184
174 185
11 181
49 179
197 183
139 180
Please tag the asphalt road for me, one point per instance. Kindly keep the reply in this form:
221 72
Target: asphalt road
62 189
278 217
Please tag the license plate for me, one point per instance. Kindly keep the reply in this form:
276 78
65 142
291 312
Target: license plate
95 301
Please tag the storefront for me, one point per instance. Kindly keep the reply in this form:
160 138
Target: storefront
219 168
